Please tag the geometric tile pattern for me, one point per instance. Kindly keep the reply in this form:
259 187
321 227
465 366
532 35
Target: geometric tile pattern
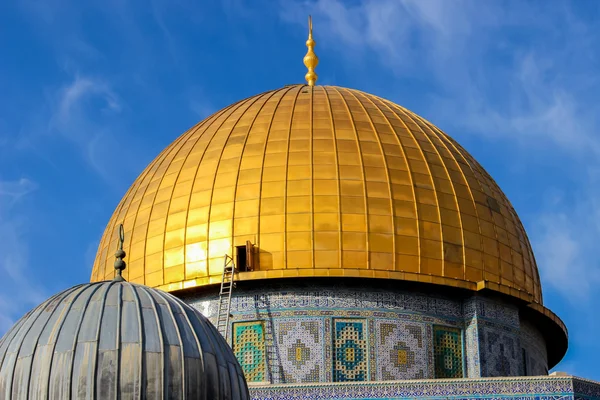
401 350
300 349
350 350
249 349
502 356
472 357
534 347
300 333
448 352
319 297
516 388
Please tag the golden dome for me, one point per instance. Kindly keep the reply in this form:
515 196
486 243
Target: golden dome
325 182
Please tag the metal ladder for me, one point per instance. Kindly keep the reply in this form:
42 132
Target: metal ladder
227 285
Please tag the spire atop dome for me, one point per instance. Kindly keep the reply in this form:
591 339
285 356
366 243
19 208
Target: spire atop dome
120 254
310 59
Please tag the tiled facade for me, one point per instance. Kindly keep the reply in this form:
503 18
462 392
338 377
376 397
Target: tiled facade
249 348
515 388
350 350
346 334
403 349
533 350
300 350
448 352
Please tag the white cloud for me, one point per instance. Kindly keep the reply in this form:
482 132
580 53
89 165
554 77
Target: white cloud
485 83
19 290
12 191
72 96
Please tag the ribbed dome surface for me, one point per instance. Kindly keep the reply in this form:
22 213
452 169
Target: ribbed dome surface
326 182
114 340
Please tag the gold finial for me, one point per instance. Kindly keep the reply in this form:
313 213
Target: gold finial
120 255
310 59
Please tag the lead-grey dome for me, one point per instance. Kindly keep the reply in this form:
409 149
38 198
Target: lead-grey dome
100 339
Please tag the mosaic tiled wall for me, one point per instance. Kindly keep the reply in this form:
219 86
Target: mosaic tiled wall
403 350
299 349
536 356
492 338
447 352
350 350
516 388
249 349
302 344
501 355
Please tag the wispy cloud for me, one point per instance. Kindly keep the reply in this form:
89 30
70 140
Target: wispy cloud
72 95
83 113
82 107
499 87
19 290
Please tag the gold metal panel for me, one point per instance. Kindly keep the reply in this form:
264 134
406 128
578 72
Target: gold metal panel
271 242
378 193
245 226
219 212
380 242
379 206
325 171
298 222
174 238
354 259
246 208
381 224
378 189
246 192
354 241
326 240
352 188
272 223
431 249
176 220
299 241
326 222
273 189
432 266
409 227
326 259
325 187
173 257
180 203
325 204
272 205
300 259
299 204
299 172
406 245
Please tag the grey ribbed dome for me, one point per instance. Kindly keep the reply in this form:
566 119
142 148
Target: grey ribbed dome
111 340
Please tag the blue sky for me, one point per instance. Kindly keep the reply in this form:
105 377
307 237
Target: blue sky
91 92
